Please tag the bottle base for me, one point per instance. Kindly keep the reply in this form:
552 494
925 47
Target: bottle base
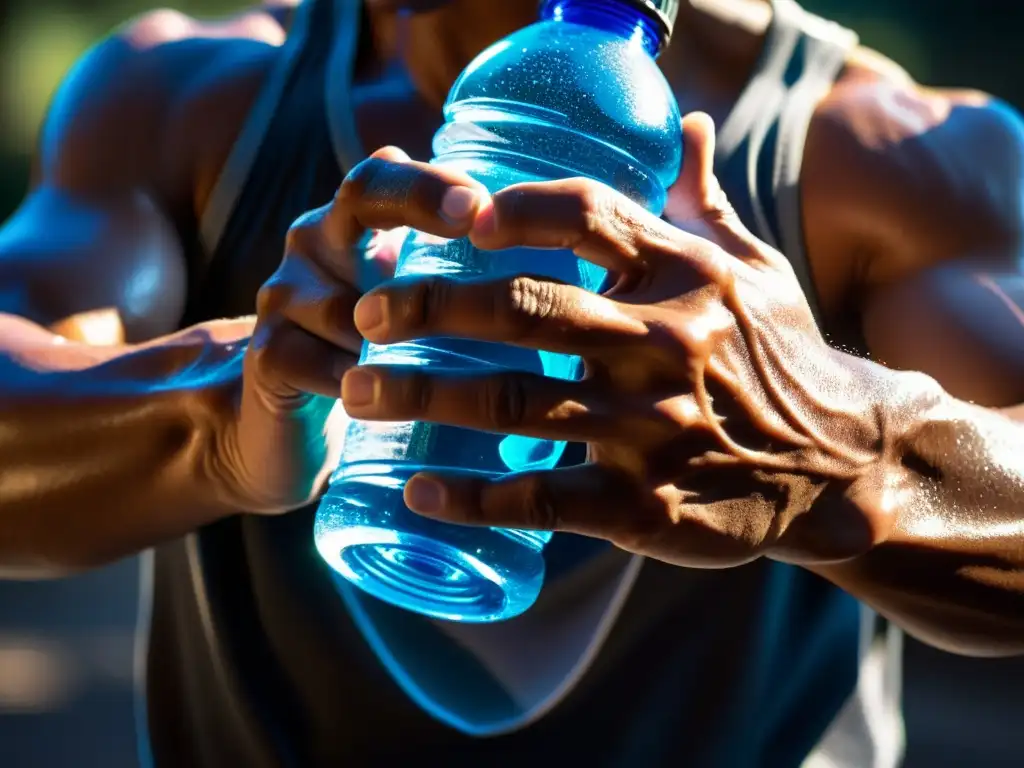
417 573
365 532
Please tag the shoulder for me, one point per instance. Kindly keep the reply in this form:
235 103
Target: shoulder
164 86
898 176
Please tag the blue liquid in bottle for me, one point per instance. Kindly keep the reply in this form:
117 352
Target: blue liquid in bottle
576 94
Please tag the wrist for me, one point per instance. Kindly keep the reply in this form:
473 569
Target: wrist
199 371
898 403
114 445
209 394
867 413
210 410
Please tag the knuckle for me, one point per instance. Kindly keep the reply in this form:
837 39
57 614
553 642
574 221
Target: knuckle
593 207
717 206
504 401
526 304
415 393
539 507
301 235
386 187
271 297
700 265
424 306
511 205
360 180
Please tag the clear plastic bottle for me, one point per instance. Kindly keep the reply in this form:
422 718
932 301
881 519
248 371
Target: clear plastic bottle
576 94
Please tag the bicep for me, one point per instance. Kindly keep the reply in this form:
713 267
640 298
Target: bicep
92 267
944 290
89 253
961 323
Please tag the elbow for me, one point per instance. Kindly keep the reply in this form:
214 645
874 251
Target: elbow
31 552
954 631
973 646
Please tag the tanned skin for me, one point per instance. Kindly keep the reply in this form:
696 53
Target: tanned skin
900 480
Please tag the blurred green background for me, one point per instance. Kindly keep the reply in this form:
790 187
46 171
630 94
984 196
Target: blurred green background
73 640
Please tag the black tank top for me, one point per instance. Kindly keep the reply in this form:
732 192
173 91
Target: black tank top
257 657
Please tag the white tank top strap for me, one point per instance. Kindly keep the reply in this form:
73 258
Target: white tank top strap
348 148
235 172
825 47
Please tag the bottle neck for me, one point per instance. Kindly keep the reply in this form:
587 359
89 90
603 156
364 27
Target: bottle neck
620 17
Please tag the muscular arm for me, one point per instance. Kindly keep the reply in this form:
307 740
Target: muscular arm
102 449
952 570
941 291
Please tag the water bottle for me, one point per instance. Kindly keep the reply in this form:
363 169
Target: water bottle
576 94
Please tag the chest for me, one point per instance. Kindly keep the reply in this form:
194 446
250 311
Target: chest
299 166
696 655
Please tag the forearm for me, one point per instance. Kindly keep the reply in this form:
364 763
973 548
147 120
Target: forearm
951 570
104 451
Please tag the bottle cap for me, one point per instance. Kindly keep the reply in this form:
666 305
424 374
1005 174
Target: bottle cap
662 11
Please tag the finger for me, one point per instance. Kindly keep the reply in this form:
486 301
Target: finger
505 403
302 292
378 249
696 202
392 154
696 191
591 499
387 190
582 215
529 312
290 361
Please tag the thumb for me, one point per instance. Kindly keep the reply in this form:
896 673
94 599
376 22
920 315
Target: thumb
697 191
697 196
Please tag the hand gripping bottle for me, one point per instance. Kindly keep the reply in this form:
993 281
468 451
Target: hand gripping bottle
576 94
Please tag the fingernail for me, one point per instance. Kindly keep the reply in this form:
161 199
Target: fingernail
458 204
424 496
359 387
371 314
